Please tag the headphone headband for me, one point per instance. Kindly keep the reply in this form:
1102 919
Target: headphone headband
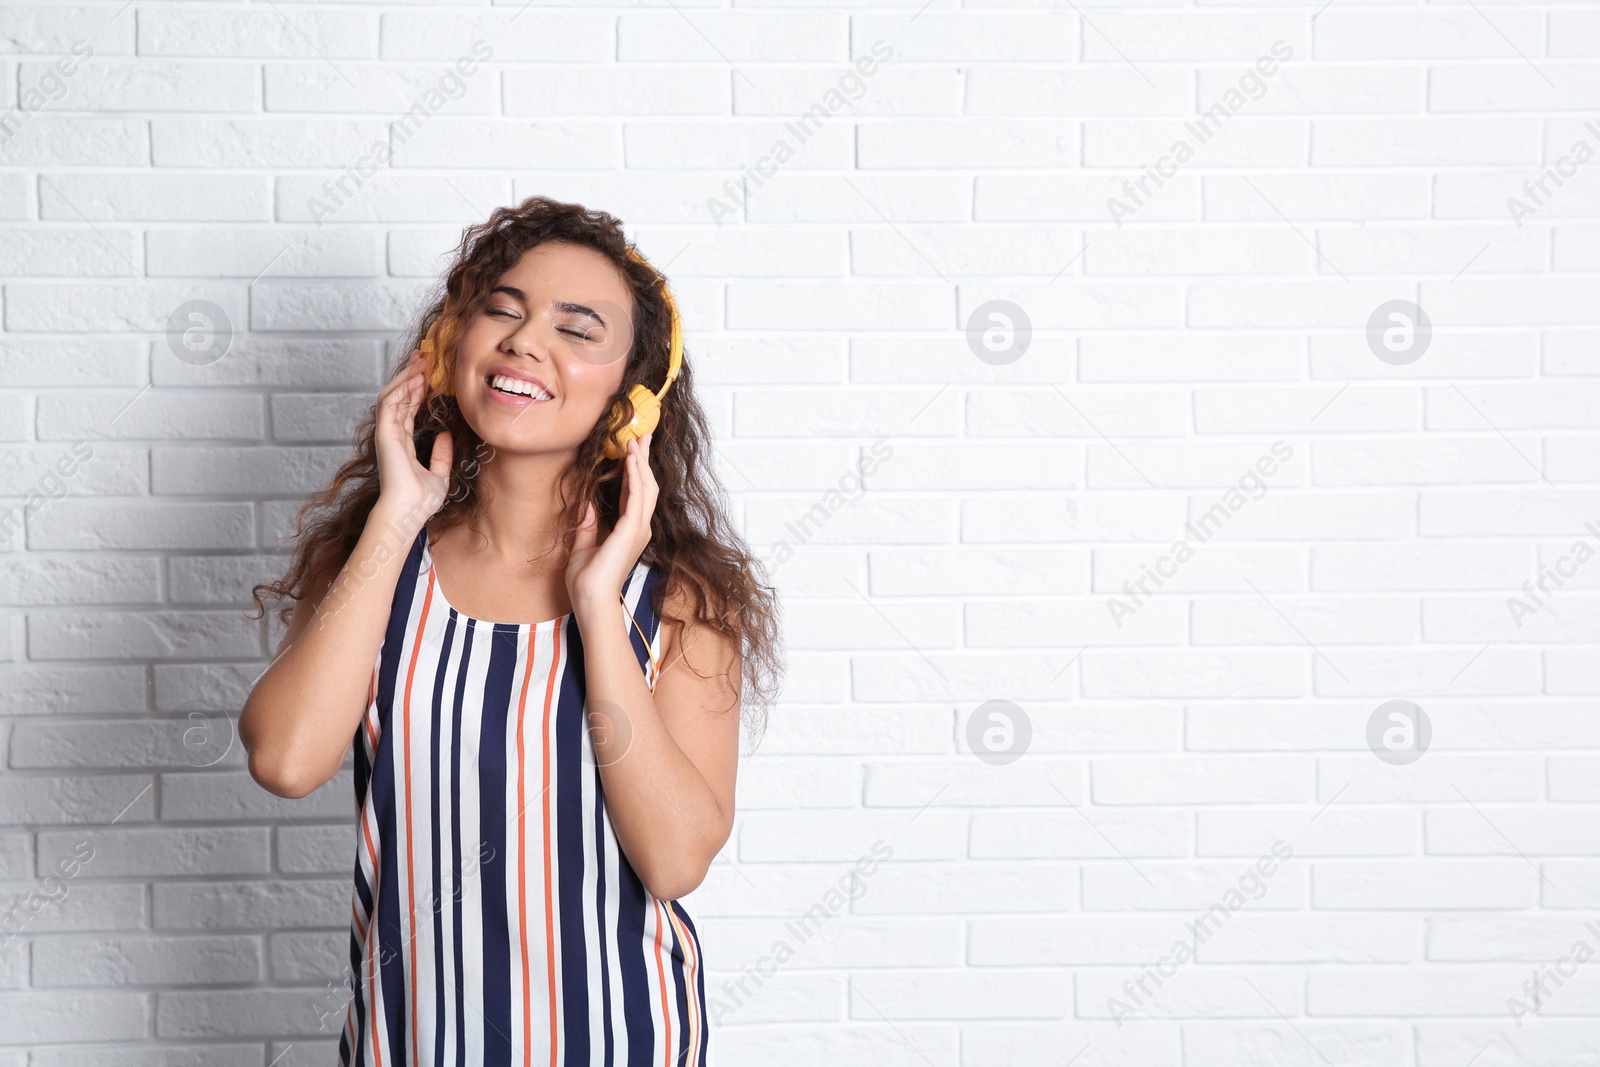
675 352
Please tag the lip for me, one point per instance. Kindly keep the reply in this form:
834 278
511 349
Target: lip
513 372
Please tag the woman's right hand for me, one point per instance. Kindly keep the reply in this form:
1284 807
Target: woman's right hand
403 483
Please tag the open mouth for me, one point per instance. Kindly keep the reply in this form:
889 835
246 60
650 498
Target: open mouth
515 390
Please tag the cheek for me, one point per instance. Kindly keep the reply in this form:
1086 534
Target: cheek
588 388
472 344
477 337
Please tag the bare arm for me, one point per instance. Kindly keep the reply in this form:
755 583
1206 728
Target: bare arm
303 712
667 760
299 719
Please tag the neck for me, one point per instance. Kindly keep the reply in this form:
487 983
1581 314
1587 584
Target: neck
521 517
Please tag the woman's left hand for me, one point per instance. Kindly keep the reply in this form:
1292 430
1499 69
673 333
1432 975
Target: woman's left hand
596 569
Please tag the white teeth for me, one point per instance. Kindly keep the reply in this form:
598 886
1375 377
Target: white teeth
507 384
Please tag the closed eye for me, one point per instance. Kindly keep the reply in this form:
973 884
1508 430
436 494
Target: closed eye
508 314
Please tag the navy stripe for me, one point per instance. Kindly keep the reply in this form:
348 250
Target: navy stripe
636 982
387 926
639 997
680 981
455 822
493 800
644 617
363 766
436 895
602 934
569 848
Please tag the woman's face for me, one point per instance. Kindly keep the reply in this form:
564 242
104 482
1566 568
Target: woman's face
537 367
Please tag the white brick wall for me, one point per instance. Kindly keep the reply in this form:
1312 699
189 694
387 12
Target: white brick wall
185 157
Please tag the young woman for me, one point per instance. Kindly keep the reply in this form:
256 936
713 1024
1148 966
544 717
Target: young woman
543 641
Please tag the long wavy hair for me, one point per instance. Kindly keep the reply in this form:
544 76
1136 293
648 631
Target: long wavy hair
693 545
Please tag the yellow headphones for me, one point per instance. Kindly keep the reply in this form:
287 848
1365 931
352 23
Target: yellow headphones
646 402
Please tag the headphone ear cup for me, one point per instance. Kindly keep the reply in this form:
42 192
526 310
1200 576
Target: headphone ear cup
616 444
646 414
434 370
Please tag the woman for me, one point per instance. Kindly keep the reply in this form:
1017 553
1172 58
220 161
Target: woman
541 642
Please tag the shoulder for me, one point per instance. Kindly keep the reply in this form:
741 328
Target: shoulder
683 635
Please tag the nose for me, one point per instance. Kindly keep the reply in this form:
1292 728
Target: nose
525 341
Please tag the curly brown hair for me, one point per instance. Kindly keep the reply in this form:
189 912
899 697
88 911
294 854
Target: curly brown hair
693 545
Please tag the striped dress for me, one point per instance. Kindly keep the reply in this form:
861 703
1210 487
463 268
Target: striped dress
494 919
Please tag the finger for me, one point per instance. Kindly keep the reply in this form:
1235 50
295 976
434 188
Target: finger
587 529
638 473
635 474
627 475
410 400
395 383
649 472
389 406
401 382
625 499
443 452
405 371
647 477
416 382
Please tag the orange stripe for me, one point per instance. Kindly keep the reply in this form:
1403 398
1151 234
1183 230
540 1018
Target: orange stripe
693 962
661 977
522 867
350 1006
367 720
549 899
372 979
371 946
411 877
692 1001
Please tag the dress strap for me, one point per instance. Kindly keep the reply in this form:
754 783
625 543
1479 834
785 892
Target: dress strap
644 626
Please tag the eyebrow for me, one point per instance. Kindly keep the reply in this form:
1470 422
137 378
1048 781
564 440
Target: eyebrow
555 305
